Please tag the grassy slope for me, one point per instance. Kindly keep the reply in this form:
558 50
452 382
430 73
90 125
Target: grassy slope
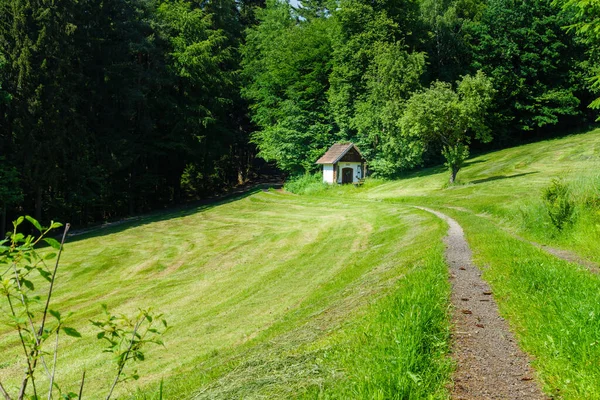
552 305
270 296
506 186
343 294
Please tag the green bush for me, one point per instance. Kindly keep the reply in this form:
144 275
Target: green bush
306 184
559 203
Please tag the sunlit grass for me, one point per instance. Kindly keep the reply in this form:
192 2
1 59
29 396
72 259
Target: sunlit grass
552 305
254 290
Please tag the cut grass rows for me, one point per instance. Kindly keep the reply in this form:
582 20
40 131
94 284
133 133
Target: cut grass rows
342 293
267 297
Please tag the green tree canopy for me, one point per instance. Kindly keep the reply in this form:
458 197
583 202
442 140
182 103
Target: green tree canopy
441 115
532 61
393 75
587 25
287 66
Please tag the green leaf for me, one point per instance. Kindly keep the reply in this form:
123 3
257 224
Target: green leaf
28 284
52 242
45 274
100 335
34 222
18 222
55 314
71 332
54 225
49 256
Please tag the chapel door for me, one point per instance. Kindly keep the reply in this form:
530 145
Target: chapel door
347 175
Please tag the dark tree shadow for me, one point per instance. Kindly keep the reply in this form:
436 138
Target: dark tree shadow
175 212
498 177
473 162
423 172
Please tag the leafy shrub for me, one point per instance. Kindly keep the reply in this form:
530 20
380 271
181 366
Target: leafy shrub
306 184
38 328
559 203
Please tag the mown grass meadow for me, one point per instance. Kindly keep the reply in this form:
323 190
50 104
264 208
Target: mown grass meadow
270 295
342 292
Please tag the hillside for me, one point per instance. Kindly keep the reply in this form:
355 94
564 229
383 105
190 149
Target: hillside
344 293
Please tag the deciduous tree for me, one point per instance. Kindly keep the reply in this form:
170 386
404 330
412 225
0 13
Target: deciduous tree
443 116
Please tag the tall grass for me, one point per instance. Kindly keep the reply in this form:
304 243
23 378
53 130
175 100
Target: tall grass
552 305
398 350
312 184
306 184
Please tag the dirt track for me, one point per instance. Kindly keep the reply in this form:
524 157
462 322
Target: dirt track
490 365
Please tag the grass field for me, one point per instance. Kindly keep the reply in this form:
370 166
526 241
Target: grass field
269 295
552 305
343 293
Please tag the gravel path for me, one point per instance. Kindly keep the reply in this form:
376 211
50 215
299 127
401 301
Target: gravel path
490 365
560 253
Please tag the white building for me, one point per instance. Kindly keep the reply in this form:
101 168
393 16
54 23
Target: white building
343 163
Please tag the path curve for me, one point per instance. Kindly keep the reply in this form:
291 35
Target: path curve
490 365
565 255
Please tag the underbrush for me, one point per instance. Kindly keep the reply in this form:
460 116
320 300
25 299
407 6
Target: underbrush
572 217
553 307
312 184
306 184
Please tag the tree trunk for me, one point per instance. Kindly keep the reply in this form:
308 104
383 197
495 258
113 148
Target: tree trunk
453 172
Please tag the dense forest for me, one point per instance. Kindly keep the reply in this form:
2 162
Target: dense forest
115 107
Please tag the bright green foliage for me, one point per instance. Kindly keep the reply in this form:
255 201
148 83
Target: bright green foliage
126 337
533 62
286 64
559 204
389 81
374 72
359 26
443 117
24 312
306 184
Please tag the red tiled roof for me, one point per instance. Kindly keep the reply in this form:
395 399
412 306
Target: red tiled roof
335 153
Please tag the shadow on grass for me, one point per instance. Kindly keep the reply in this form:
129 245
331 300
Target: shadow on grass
499 177
473 162
175 212
423 172
437 169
